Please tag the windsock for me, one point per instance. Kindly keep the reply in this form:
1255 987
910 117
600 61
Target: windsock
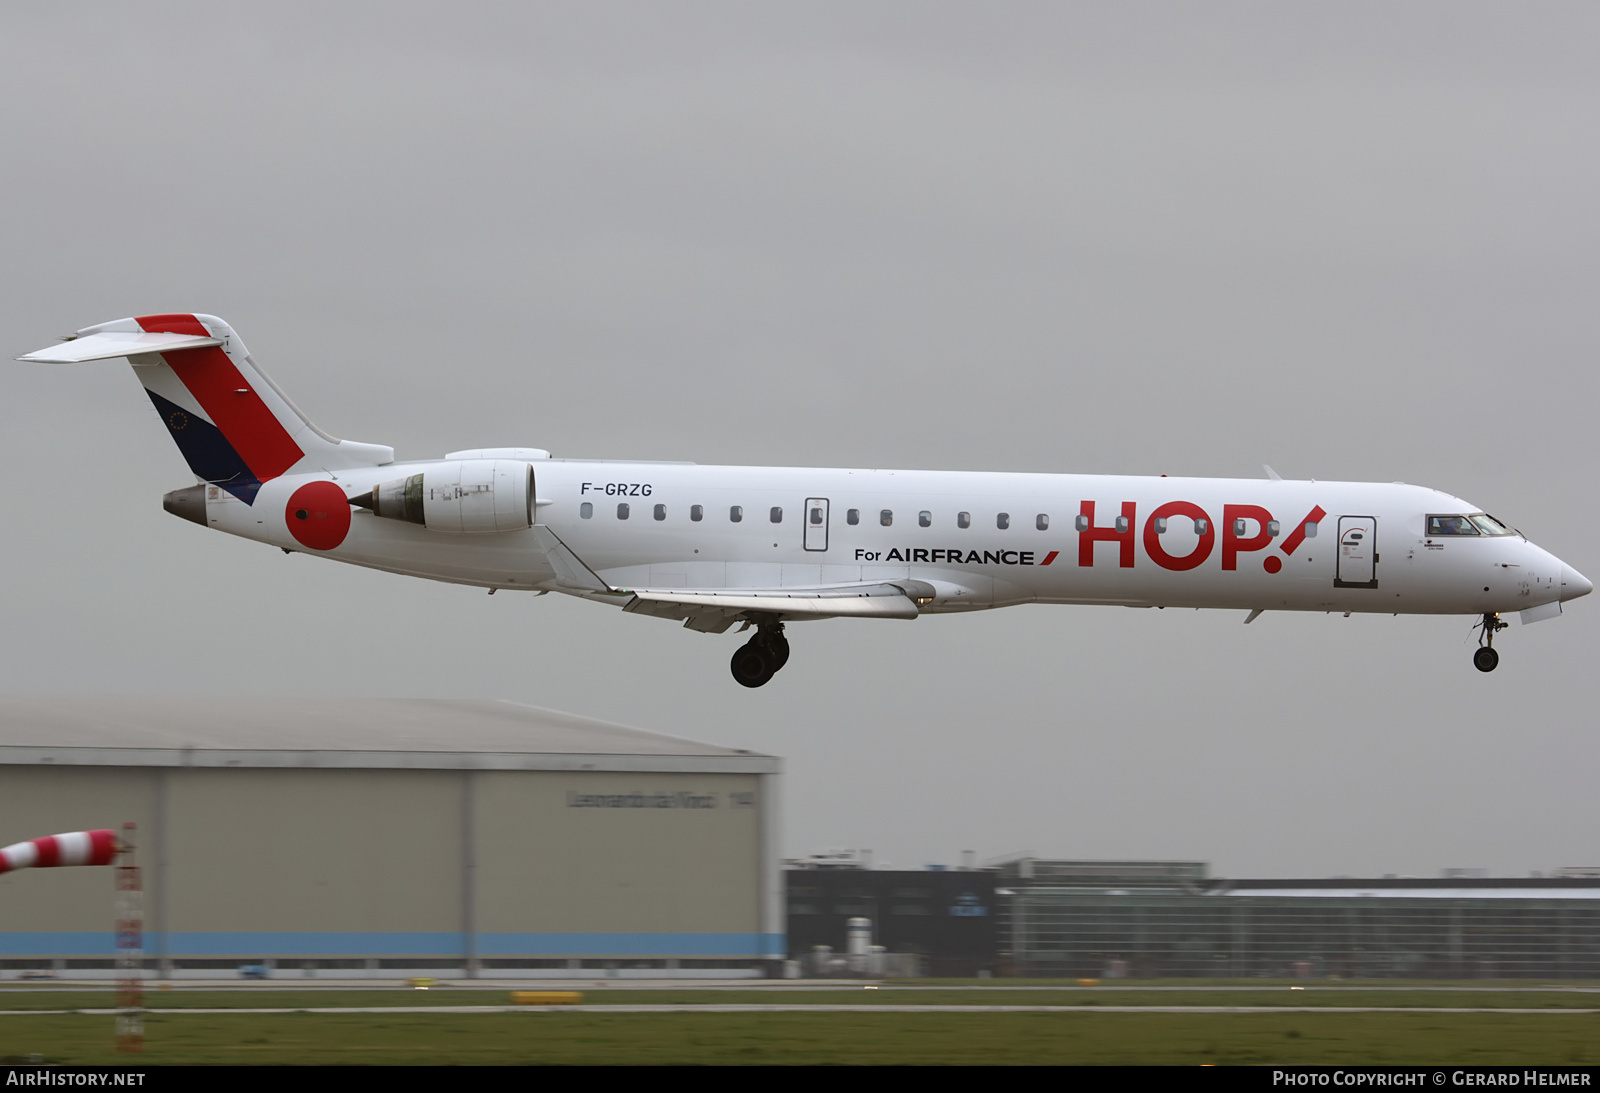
73 848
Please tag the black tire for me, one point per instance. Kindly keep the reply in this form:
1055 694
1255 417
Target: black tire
1485 659
750 666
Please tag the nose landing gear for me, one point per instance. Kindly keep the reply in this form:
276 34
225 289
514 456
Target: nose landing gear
760 658
1486 659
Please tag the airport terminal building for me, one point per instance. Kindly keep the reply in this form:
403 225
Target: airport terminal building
1156 920
339 837
1034 917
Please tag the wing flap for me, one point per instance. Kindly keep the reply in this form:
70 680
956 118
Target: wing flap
715 609
884 600
110 344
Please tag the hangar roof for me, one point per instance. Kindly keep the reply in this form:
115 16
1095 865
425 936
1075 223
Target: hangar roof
341 732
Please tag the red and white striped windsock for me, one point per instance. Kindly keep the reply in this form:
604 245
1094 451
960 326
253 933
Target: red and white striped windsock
73 848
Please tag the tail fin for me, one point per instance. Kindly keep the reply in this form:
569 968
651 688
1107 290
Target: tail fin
233 425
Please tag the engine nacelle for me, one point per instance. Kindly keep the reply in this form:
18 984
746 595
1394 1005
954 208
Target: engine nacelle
463 496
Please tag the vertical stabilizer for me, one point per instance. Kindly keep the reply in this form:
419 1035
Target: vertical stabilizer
233 425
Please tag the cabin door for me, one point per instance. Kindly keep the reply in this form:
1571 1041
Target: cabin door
1357 565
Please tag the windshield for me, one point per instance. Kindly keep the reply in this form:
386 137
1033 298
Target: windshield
1489 525
1450 525
1475 523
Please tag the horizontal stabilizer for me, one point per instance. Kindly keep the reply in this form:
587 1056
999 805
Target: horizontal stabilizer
108 345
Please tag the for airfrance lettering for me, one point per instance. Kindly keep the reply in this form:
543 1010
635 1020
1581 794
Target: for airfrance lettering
953 556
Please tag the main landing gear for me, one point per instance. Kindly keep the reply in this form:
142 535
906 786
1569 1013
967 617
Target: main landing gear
1486 659
759 659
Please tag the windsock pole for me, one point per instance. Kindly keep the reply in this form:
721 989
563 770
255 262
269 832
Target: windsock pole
102 847
130 948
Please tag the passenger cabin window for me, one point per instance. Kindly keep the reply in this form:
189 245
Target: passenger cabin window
1002 520
661 512
963 519
816 517
622 511
736 513
1042 522
1311 529
886 517
586 510
1201 525
776 515
853 517
697 513
924 519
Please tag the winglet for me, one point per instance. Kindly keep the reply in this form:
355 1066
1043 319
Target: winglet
1253 616
1272 474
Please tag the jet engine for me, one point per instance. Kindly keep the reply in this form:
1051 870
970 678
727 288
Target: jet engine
462 496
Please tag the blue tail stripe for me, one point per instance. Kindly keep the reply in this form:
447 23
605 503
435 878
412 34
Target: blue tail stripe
207 451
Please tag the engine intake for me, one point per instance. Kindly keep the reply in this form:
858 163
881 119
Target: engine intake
463 496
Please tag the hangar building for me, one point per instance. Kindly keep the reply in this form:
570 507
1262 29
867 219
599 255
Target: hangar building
363 837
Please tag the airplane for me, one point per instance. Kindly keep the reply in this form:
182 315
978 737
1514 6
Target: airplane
764 546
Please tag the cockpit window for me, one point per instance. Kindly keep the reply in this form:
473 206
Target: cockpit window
1489 525
1450 525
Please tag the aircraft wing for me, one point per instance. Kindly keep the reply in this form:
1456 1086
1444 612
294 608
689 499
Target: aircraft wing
715 609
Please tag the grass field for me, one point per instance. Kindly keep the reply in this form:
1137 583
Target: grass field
818 1038
546 1035
256 998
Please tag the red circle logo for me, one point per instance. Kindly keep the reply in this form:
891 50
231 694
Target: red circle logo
318 515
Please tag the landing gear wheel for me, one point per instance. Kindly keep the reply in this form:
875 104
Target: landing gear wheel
760 658
1486 659
751 667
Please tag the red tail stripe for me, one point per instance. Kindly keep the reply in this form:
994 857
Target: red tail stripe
172 324
49 851
228 399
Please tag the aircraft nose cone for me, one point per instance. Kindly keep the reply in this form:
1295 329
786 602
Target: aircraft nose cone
1573 583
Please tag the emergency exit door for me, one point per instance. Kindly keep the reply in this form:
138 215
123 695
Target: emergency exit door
1357 564
816 523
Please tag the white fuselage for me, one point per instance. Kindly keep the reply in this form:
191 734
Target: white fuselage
715 547
1084 539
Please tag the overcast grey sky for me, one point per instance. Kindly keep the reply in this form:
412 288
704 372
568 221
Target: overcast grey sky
1355 241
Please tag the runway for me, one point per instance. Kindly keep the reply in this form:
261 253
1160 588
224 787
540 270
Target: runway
889 1007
